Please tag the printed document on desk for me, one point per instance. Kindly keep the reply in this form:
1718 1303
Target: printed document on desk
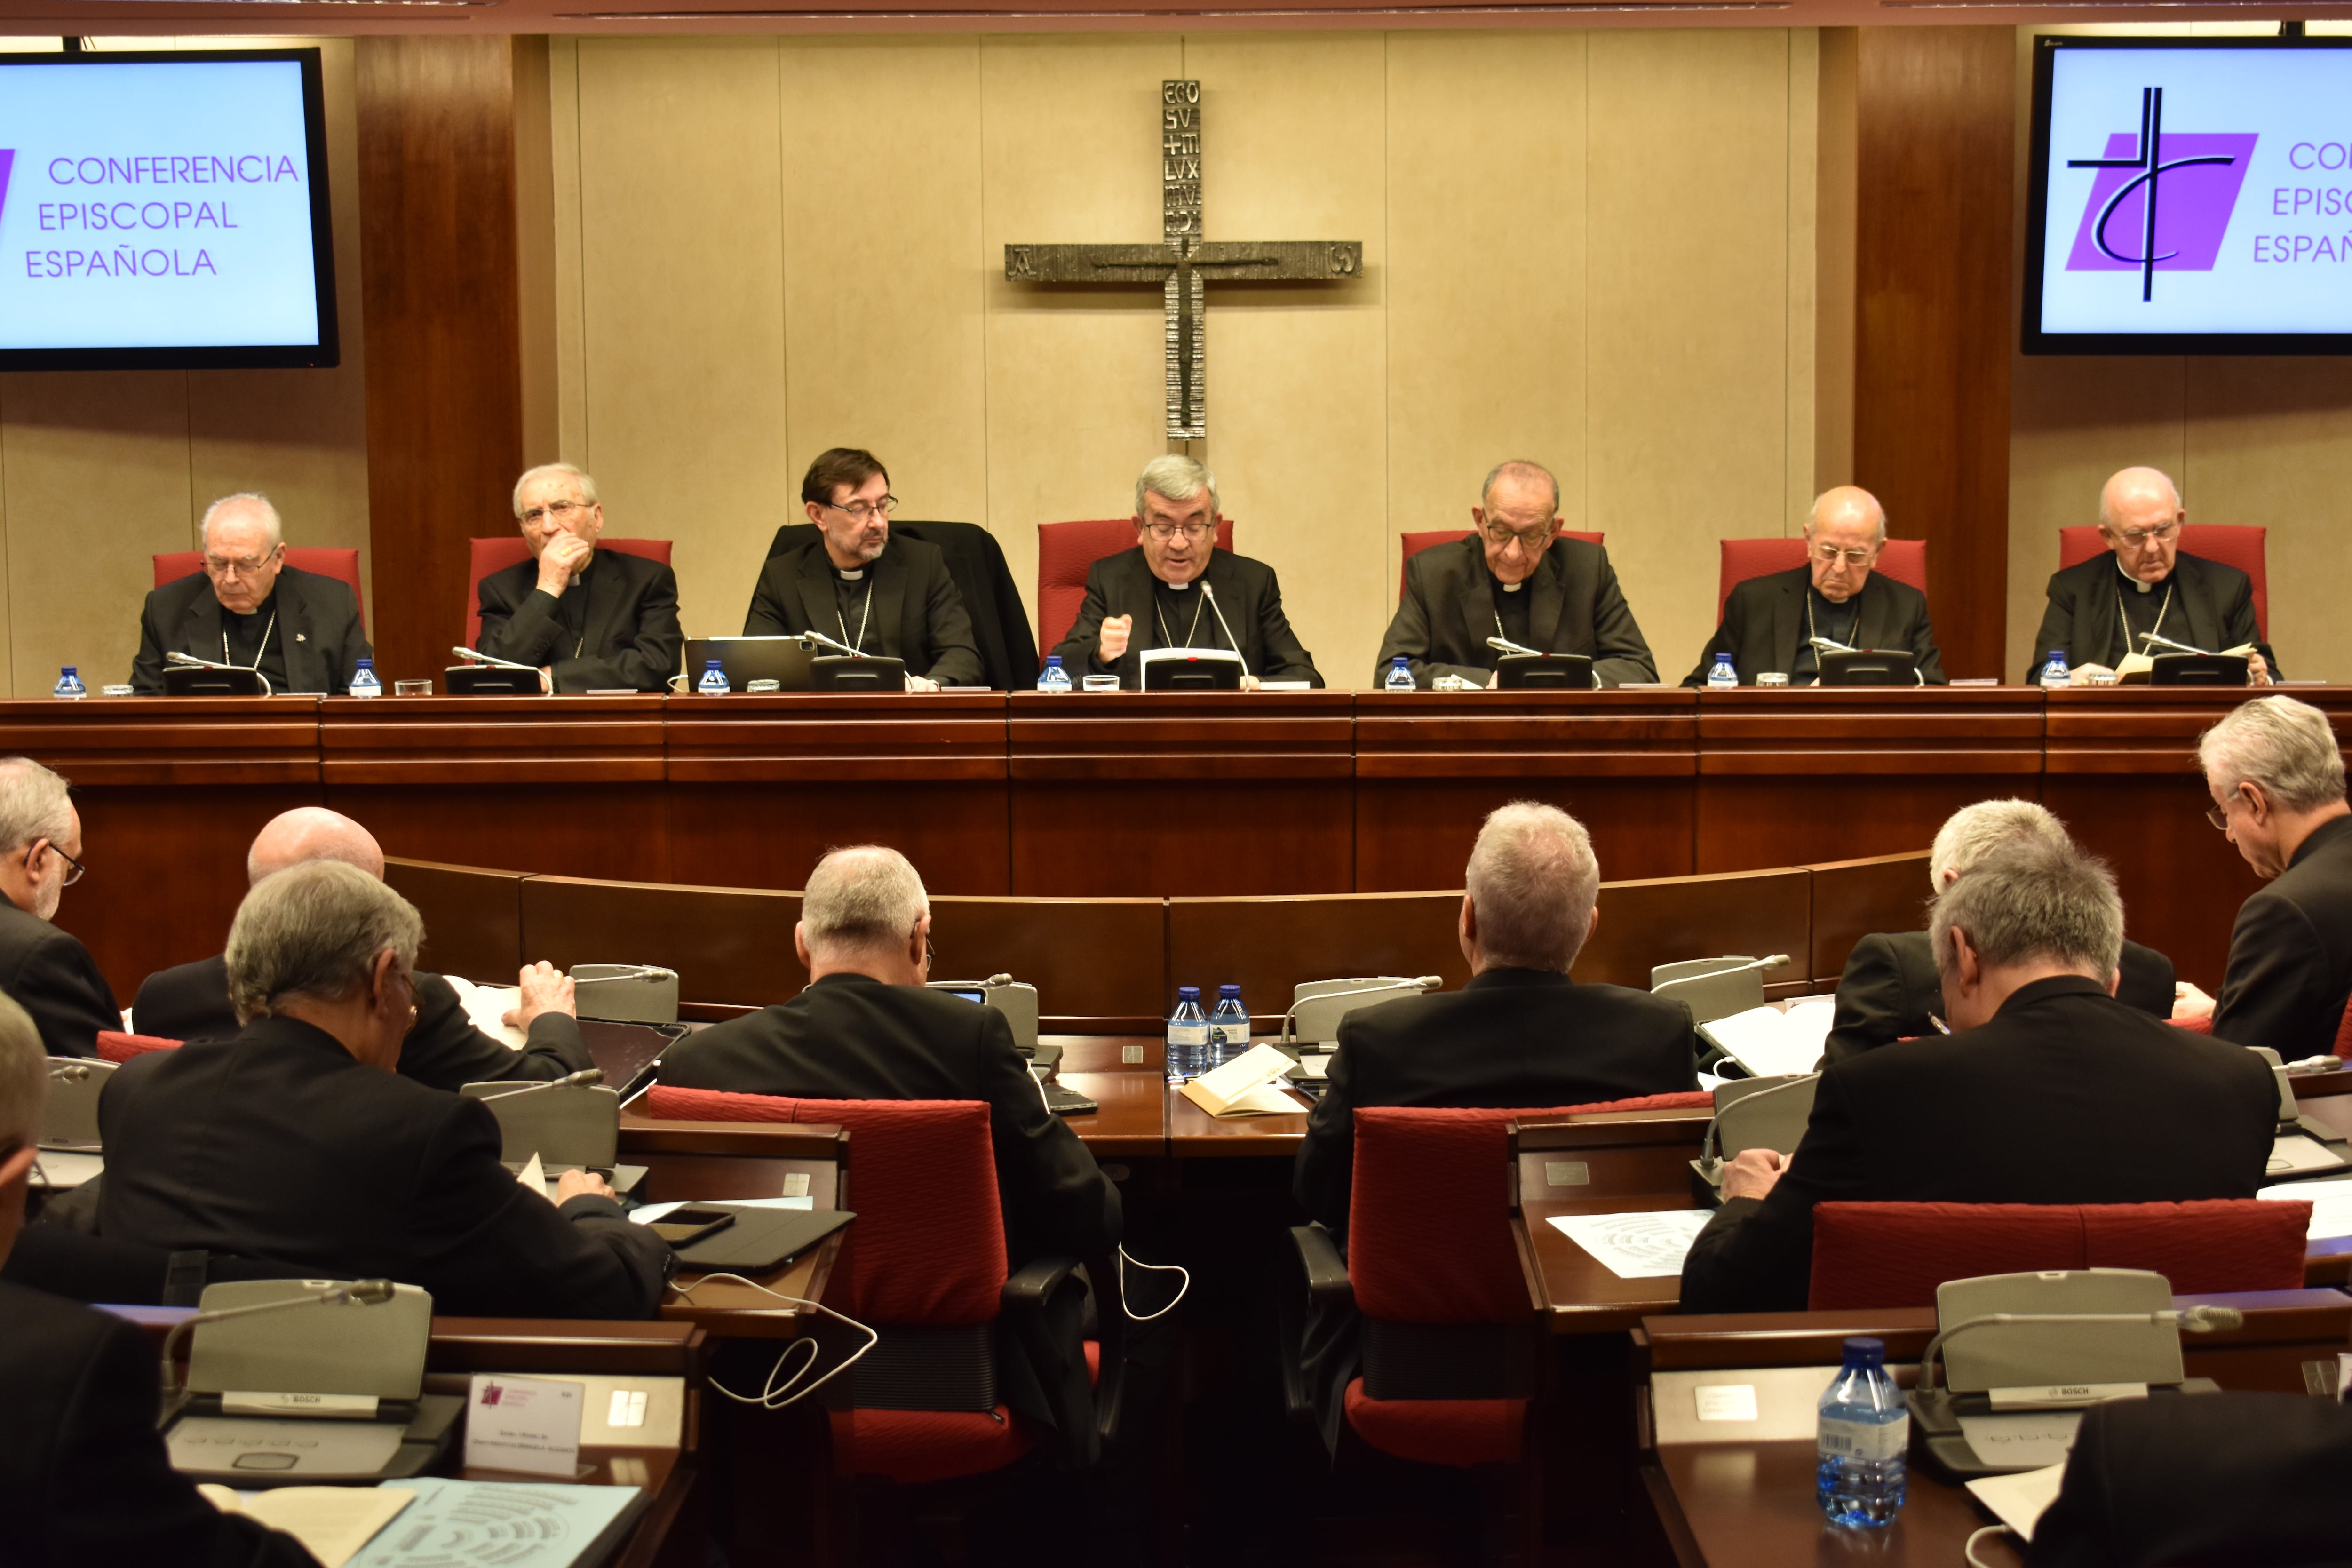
2331 1204
2020 1500
486 1007
332 1522
1245 1086
1645 1246
1772 1044
453 1524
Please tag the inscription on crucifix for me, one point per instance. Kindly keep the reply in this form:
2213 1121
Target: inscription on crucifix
1183 262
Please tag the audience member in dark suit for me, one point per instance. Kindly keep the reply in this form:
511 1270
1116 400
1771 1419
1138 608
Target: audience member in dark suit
2099 608
2277 777
48 970
1517 579
1144 598
83 1474
590 619
2002 1111
890 598
1769 620
2215 1482
1891 989
444 1049
248 607
298 1143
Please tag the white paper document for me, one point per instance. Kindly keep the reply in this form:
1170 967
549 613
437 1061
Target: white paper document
1772 1044
2027 1440
652 1212
486 1007
1646 1246
2297 1155
2020 1500
2331 1204
333 1523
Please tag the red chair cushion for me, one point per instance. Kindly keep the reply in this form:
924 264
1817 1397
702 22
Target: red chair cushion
1904 559
1066 551
2222 1244
2343 1032
667 1103
114 1045
915 1446
489 555
2205 1026
2228 544
1456 1432
1415 543
343 565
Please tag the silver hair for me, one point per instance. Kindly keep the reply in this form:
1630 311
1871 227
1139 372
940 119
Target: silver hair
2029 899
2107 522
24 1077
2287 747
1171 476
33 804
315 930
1814 516
862 897
577 475
1532 879
245 500
1517 465
1971 833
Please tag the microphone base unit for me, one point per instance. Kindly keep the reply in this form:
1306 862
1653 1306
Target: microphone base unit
1938 1443
405 1437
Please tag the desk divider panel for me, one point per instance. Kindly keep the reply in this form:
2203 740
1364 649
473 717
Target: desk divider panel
1268 945
1100 965
731 946
1644 924
472 917
1853 898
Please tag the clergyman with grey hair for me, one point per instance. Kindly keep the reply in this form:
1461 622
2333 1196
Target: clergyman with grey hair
49 973
244 605
298 1145
586 620
1176 589
2047 1092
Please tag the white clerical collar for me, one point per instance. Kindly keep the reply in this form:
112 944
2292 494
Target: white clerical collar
1513 587
2136 583
1177 587
852 575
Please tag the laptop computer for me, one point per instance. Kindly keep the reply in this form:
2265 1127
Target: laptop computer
785 660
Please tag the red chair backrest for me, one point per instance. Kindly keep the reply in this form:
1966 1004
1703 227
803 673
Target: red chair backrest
1904 559
1065 552
2343 1033
1415 543
2228 544
1429 1218
490 556
114 1045
1895 1255
927 1247
343 565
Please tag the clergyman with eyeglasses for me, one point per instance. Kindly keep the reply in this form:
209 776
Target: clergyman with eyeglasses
2104 608
1769 622
852 582
248 607
46 968
1147 597
1515 577
588 619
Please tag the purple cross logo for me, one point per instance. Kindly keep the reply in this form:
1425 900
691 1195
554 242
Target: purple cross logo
2130 225
7 160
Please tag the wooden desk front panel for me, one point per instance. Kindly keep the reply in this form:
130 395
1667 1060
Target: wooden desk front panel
1853 898
1266 946
1099 964
728 945
1647 923
473 918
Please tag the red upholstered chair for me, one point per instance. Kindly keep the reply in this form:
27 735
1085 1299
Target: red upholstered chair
490 556
1904 559
114 1045
1065 552
2229 544
925 1258
342 564
1895 1255
1415 543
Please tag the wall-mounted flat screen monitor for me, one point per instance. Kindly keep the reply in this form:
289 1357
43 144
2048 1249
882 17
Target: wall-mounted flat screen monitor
165 211
2189 195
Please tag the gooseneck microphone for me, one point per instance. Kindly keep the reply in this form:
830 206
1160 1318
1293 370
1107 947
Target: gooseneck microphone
2153 640
1211 594
568 1081
190 661
358 1293
471 657
2195 1320
1504 645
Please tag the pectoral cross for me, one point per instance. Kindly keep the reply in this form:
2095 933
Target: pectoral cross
1182 262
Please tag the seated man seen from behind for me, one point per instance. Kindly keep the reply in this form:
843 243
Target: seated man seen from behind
297 1142
2049 1091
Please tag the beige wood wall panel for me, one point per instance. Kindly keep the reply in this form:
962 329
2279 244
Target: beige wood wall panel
682 288
571 309
1687 374
882 265
1835 175
1802 306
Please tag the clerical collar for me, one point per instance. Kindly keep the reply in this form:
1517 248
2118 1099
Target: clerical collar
2136 583
267 606
1176 587
850 573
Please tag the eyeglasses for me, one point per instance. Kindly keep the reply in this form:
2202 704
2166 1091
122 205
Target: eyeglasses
1828 553
2218 815
74 868
2137 538
556 511
862 510
1164 531
217 566
1529 538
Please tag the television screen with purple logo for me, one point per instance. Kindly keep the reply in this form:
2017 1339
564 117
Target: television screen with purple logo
2189 195
165 211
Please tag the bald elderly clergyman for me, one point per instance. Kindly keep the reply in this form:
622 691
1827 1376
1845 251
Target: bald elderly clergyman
1769 621
2101 608
248 608
442 1049
588 619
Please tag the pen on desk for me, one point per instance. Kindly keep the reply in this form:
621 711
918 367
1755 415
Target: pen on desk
1941 1026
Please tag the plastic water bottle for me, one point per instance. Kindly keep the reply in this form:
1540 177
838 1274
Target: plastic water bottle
1055 677
1724 676
1399 676
1864 1430
714 680
69 686
2055 675
1187 1036
1229 1026
363 681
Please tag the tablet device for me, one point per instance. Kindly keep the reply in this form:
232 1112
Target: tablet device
1543 671
839 672
785 660
761 1240
1869 667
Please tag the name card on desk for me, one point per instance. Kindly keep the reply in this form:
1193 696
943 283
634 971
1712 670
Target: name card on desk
527 1424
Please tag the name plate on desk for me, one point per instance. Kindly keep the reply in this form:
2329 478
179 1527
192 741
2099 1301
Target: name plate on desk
334 1406
527 1424
2059 1394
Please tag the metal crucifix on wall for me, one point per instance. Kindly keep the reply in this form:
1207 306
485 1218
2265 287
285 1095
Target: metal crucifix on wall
1182 262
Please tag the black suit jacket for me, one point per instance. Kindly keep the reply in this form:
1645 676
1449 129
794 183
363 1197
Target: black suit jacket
1890 986
851 1038
1447 613
84 1479
52 976
1512 1037
443 1051
2066 1097
917 616
280 1147
1764 626
1247 591
318 621
2213 607
629 638
2290 970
